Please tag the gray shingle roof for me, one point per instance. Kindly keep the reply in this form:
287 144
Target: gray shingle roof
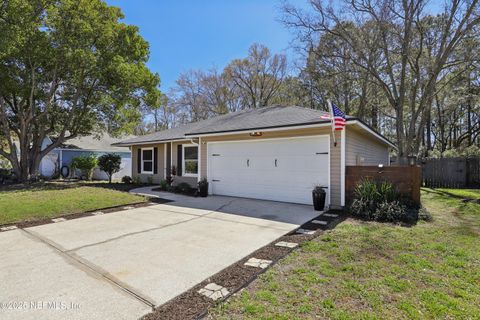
252 119
103 142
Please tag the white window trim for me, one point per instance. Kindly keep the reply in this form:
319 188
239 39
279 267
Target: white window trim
141 156
183 160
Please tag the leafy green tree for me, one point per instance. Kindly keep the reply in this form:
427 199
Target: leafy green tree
110 163
67 68
86 164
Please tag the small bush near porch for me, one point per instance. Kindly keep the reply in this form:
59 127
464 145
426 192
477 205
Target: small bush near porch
371 270
48 200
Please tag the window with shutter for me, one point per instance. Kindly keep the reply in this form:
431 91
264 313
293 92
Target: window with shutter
147 160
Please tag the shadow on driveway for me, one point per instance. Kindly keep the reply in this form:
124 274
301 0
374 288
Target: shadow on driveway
253 208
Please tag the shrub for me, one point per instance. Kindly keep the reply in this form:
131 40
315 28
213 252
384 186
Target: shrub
127 179
164 185
110 163
173 189
5 174
136 180
362 208
86 164
184 187
390 211
367 190
203 182
379 201
387 191
150 180
376 192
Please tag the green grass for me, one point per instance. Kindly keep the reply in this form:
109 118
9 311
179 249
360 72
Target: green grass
368 270
51 200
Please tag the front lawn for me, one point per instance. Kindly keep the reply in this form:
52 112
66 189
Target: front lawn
369 270
24 203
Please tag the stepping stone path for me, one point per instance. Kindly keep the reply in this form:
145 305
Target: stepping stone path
286 244
214 291
128 208
305 231
8 228
97 213
258 263
323 223
59 220
331 215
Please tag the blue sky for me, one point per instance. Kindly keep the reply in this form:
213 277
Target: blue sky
188 34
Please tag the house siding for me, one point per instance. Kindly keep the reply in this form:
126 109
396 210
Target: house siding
143 177
360 146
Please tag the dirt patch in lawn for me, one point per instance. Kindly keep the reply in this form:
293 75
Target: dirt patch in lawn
192 305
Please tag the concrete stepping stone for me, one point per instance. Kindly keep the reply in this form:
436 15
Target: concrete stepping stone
214 291
331 215
305 231
321 222
59 220
286 244
8 228
258 263
97 213
128 208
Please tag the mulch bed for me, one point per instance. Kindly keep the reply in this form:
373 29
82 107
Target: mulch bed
68 184
38 222
192 305
191 192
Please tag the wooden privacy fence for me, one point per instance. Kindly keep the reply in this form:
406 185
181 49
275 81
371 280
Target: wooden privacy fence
407 179
451 172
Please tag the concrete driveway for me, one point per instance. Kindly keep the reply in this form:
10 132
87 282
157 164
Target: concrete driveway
119 265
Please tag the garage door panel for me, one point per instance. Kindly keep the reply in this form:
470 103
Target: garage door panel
281 170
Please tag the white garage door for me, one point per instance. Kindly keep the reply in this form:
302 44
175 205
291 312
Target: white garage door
272 169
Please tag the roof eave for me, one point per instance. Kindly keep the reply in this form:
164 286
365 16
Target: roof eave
188 136
129 144
269 128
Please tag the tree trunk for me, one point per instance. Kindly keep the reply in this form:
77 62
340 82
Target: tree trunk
429 131
402 156
374 117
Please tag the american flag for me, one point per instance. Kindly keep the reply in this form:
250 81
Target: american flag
338 118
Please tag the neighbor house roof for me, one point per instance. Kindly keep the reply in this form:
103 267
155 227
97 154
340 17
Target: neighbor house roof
251 119
102 142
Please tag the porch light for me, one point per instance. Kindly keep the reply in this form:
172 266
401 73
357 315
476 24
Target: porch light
380 168
255 134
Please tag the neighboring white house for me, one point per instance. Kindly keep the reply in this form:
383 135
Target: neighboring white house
62 156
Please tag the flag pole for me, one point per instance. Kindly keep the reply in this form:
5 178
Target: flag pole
333 121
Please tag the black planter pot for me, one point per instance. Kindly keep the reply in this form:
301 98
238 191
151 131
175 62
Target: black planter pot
319 196
203 190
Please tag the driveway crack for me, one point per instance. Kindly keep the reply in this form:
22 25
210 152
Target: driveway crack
125 235
89 267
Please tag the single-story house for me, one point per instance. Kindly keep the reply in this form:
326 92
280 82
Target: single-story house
274 153
62 156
